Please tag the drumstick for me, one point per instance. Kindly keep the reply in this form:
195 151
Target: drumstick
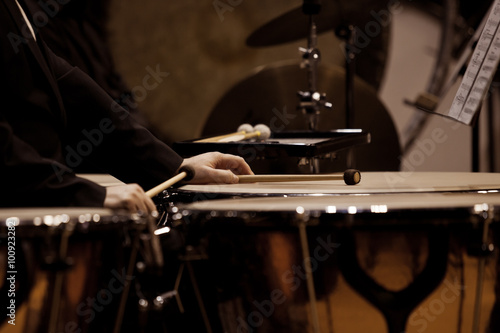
242 130
186 173
350 177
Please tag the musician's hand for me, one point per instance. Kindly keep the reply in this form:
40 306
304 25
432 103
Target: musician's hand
215 167
130 197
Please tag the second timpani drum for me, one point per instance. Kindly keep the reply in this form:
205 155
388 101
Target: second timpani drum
66 269
395 253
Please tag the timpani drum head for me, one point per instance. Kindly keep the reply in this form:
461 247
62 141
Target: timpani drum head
371 183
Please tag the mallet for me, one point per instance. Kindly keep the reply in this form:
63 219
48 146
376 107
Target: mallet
350 177
242 130
186 173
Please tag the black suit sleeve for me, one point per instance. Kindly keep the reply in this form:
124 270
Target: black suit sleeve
52 117
28 179
32 170
101 131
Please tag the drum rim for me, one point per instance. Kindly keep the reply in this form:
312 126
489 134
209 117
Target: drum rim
60 216
343 213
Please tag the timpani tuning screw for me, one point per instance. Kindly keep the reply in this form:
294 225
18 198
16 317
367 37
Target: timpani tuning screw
141 266
143 304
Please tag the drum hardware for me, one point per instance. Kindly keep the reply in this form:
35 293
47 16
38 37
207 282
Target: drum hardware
305 161
160 300
54 262
152 245
126 288
313 163
487 215
309 271
311 101
199 298
396 306
61 255
158 305
155 307
153 259
348 35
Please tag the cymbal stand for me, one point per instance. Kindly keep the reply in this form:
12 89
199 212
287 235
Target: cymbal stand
348 34
311 101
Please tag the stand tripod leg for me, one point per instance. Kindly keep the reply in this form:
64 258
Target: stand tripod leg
198 297
480 273
126 289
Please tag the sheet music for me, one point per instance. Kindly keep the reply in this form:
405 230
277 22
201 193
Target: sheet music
480 71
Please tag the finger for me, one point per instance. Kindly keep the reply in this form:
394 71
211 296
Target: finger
143 202
129 205
237 164
151 206
223 176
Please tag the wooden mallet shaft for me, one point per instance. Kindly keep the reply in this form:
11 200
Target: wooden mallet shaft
221 137
185 173
239 137
242 130
350 177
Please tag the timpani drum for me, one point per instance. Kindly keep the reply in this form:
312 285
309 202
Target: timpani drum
398 252
65 269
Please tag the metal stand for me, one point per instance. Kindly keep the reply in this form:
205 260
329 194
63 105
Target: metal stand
348 34
396 306
309 276
485 250
311 101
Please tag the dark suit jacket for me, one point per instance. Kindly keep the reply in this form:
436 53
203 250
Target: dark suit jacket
52 116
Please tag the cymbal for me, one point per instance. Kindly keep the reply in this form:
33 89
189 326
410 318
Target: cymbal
269 96
294 25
